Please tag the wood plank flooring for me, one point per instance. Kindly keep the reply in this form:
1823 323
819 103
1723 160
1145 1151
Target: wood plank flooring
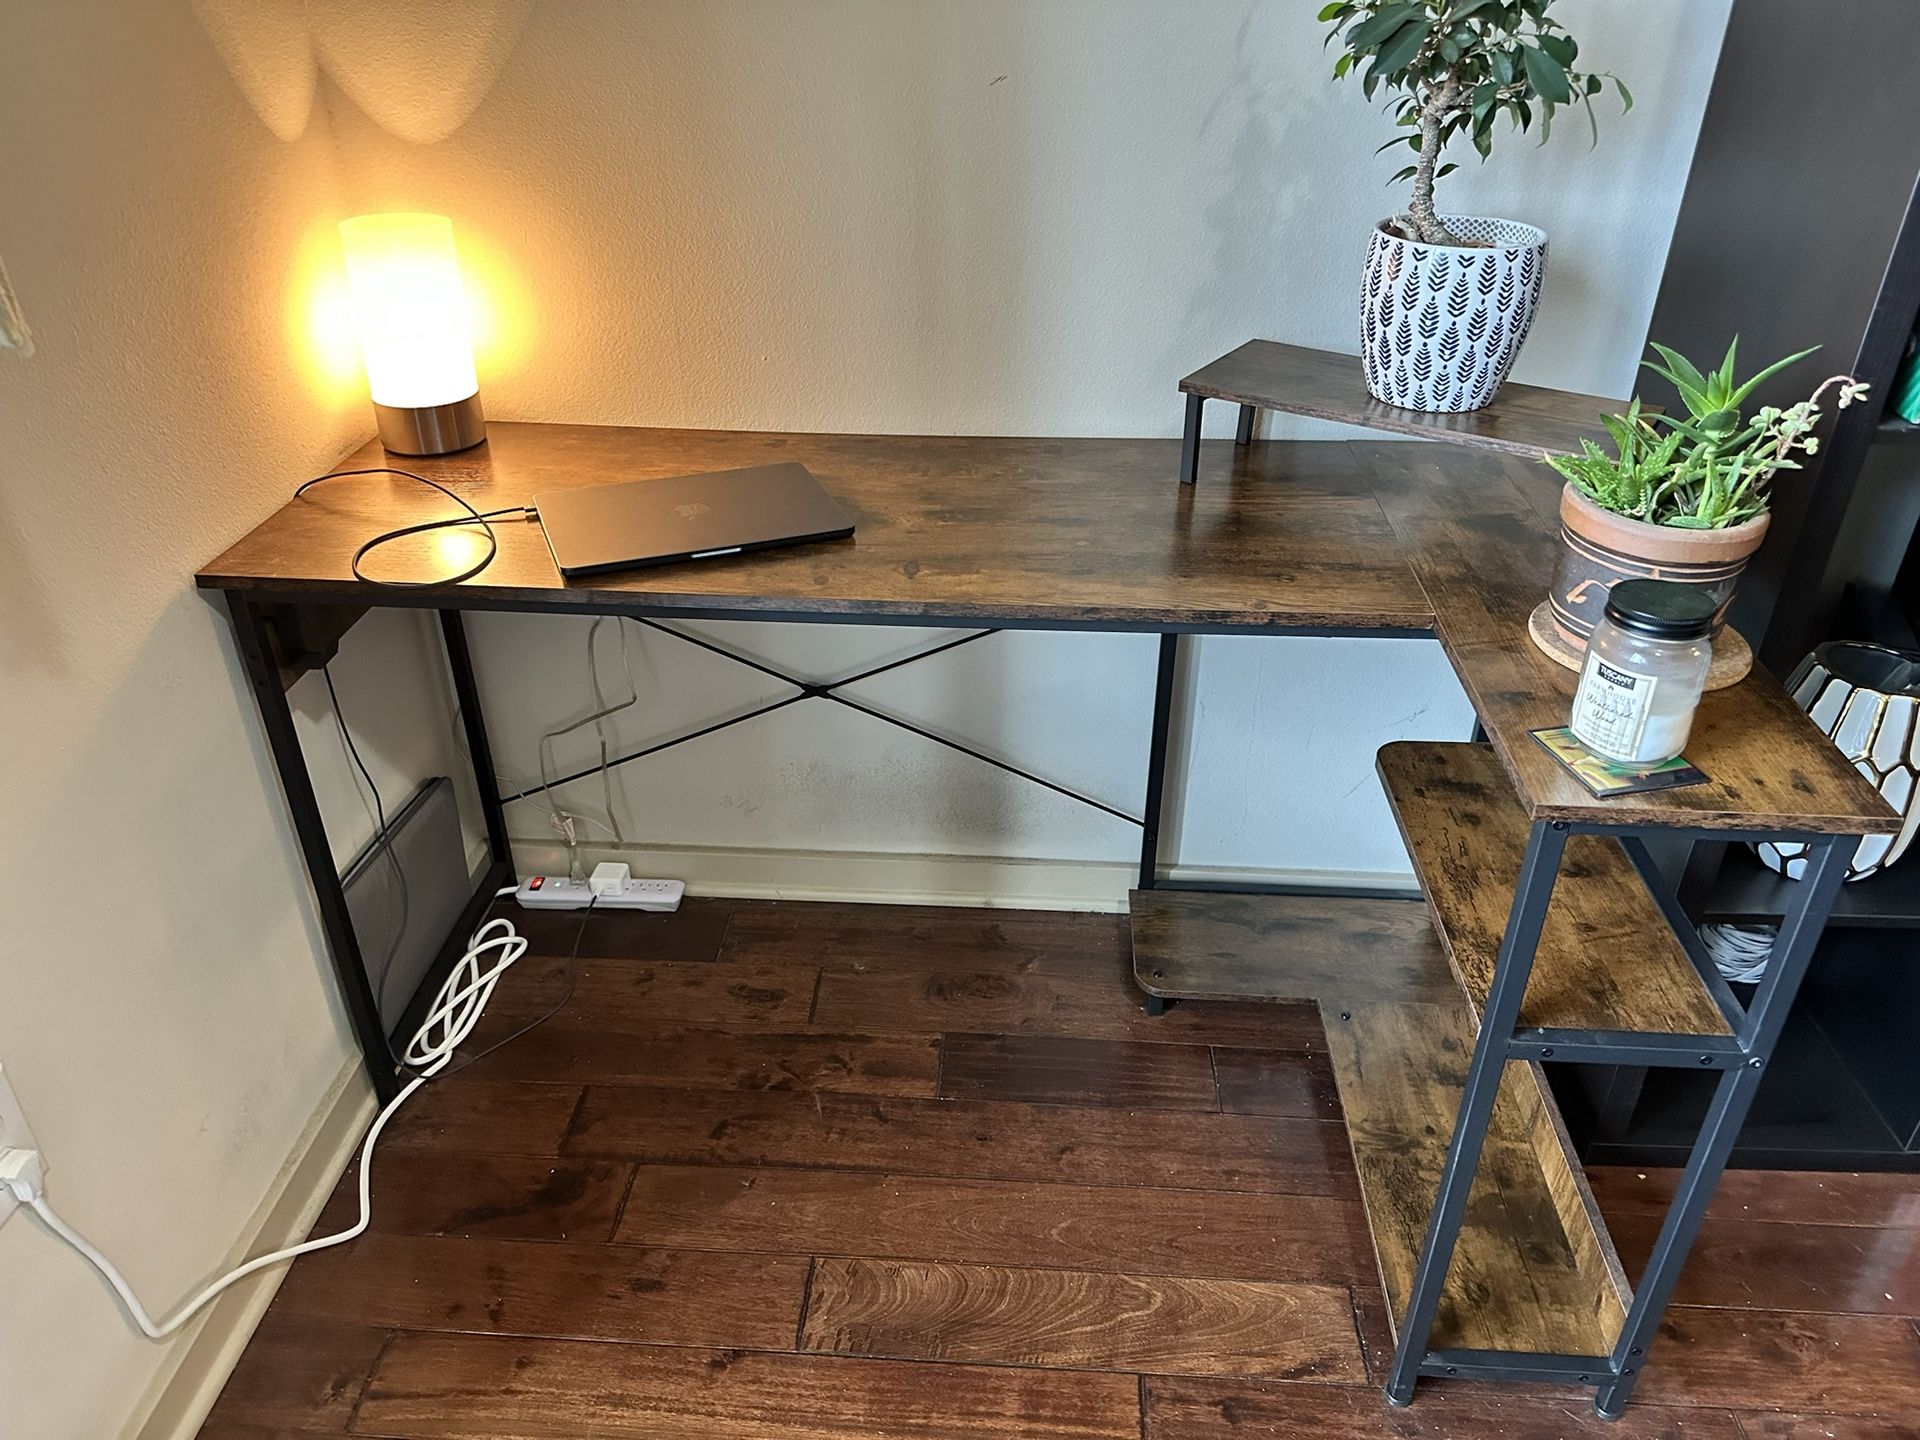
833 1172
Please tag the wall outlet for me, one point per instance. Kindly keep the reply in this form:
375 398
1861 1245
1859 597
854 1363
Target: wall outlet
14 1135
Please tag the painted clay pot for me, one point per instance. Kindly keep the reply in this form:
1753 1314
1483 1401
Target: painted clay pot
1598 549
1440 325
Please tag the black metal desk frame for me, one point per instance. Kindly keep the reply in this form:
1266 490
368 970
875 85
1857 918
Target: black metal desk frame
269 631
1739 1059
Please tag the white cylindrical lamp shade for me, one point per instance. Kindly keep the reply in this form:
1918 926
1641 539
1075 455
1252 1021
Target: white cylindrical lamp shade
411 311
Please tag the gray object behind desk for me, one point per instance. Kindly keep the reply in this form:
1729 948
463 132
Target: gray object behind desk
401 928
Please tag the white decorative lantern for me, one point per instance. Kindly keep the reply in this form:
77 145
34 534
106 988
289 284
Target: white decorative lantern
1867 700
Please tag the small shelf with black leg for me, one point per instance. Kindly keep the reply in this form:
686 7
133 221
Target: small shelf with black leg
1843 1092
1525 420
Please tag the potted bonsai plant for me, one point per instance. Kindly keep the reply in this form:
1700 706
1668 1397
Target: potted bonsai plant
1446 300
1683 499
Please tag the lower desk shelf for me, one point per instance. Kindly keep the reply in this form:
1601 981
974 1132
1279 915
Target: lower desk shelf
1534 1269
1201 945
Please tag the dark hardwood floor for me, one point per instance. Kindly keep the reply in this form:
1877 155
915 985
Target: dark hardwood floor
836 1172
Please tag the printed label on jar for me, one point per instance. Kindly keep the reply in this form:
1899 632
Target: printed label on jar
1610 709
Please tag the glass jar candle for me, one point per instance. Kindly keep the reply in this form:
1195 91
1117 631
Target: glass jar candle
1646 664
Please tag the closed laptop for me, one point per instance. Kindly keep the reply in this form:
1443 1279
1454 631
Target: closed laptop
687 517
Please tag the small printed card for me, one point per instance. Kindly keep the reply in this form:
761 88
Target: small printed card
1603 777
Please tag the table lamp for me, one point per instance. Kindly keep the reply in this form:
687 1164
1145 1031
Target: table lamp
412 315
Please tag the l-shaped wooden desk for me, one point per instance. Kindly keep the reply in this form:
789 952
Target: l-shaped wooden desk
1490 1245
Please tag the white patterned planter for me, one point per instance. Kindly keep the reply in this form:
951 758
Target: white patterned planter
1440 325
1867 700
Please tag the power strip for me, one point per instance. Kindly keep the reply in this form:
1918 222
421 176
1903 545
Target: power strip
553 892
661 895
558 892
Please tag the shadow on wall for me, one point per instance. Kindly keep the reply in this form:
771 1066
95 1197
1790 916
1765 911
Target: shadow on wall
417 68
1249 219
31 636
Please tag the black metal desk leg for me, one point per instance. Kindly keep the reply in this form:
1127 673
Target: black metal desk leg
1537 874
1792 951
1157 760
467 694
1190 445
1164 677
336 924
1243 434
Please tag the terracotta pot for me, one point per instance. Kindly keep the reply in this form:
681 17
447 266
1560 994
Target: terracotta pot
1440 325
1599 549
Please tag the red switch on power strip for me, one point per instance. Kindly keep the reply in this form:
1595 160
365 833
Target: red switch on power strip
554 892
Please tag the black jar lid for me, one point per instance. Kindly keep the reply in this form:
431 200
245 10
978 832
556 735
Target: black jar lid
1662 609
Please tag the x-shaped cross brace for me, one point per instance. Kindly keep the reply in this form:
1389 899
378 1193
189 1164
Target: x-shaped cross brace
811 690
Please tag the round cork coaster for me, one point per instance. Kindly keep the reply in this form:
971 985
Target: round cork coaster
1732 656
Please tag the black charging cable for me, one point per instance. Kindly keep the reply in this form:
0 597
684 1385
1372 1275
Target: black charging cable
484 519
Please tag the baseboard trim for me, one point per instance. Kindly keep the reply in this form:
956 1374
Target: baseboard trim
899 879
177 1402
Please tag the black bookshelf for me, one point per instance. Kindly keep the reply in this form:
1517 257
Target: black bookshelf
1800 225
1748 893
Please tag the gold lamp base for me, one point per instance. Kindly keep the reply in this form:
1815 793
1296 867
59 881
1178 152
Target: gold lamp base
431 429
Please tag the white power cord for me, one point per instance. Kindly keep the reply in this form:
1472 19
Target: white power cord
1740 952
455 1012
566 822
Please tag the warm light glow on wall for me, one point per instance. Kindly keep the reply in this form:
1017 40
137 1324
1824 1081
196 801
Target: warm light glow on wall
500 307
322 345
410 308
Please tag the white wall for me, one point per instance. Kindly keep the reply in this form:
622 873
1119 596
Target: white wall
171 1037
1001 216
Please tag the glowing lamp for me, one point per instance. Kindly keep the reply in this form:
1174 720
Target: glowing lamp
412 316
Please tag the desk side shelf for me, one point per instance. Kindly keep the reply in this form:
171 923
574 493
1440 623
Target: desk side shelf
1563 937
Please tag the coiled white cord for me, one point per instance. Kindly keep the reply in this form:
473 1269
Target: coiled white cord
456 1010
1740 952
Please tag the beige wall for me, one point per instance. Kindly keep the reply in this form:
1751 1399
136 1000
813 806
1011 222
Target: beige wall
171 1036
997 216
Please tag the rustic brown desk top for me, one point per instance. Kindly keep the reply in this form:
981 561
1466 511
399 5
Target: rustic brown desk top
1069 534
1480 533
1521 419
1066 533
